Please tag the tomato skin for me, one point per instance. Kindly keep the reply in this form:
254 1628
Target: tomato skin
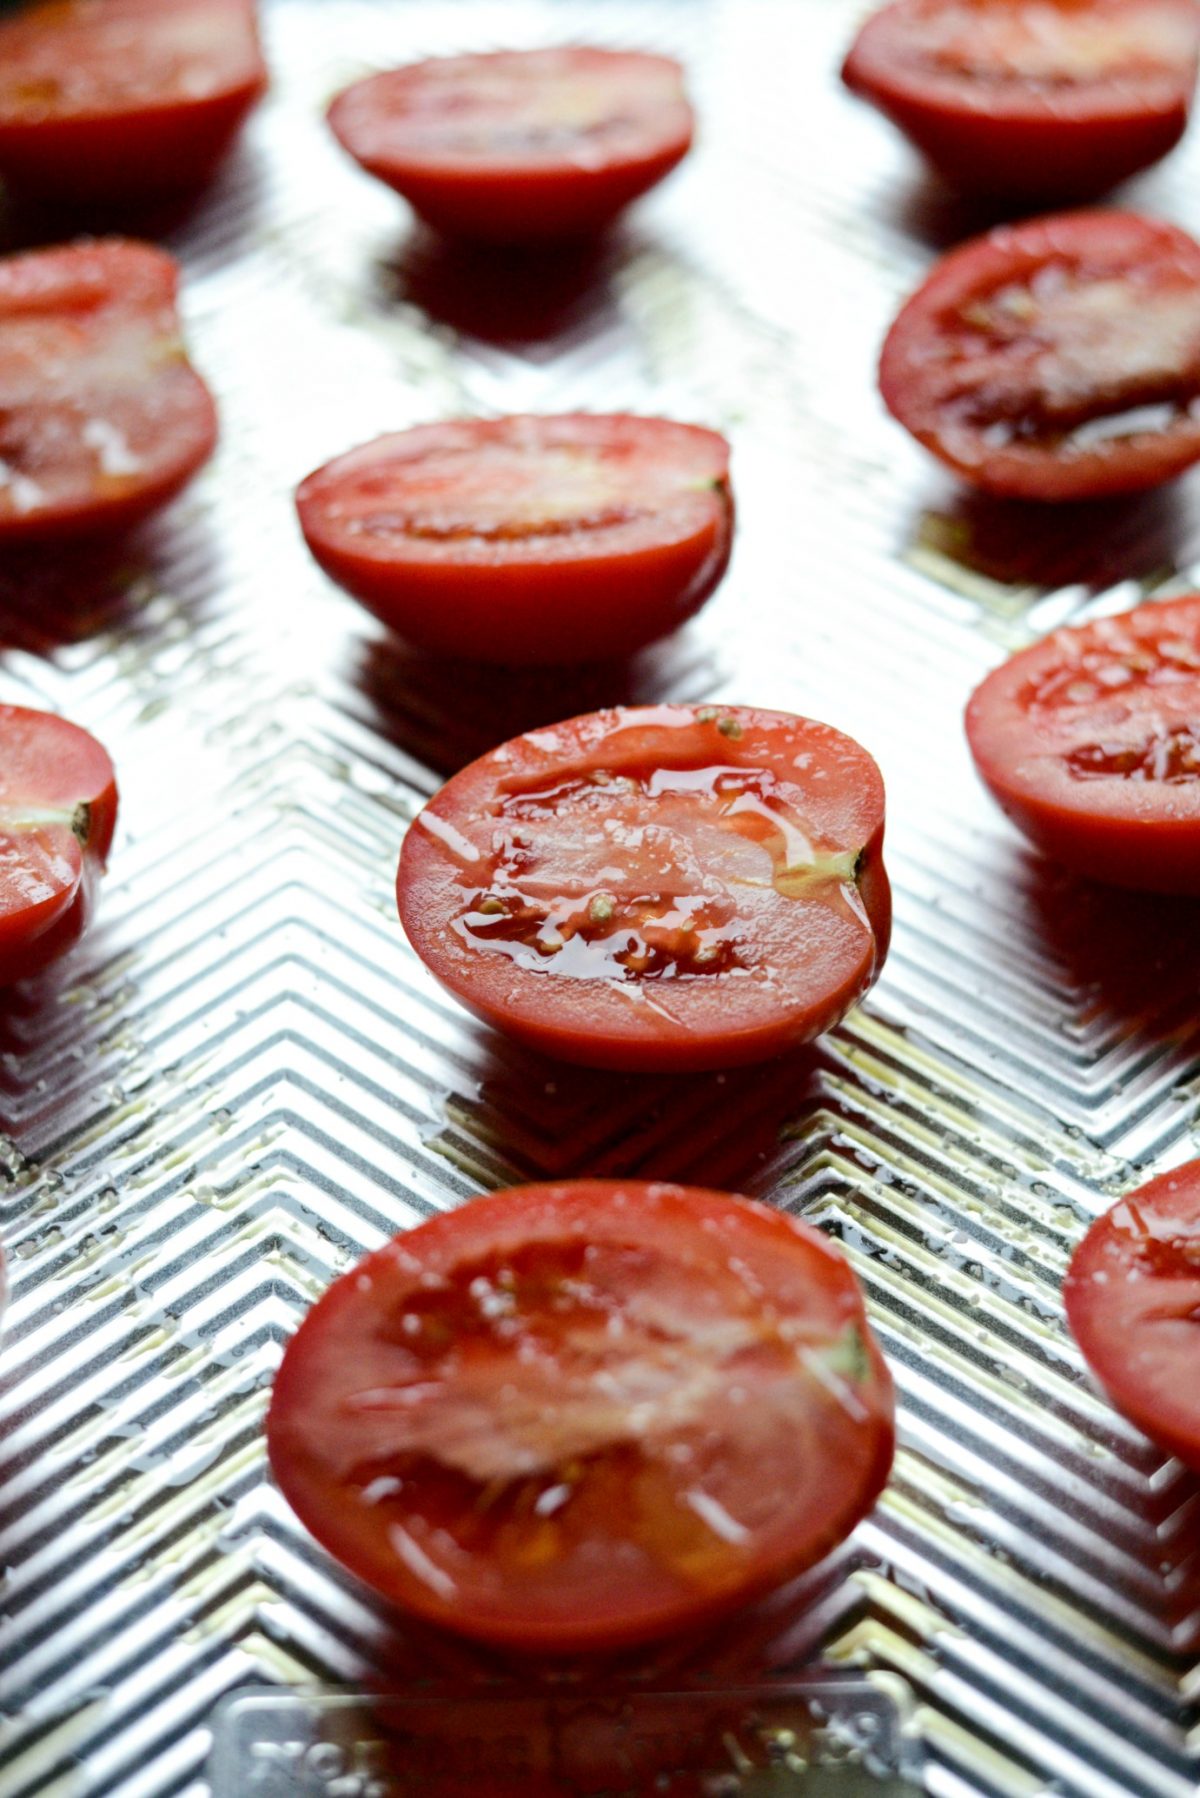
102 418
717 1260
48 764
1132 1294
575 593
796 968
132 111
1031 140
1110 246
1040 759
509 193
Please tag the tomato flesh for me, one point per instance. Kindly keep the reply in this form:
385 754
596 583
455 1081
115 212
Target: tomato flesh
663 887
102 418
1089 741
565 1418
123 100
1133 1303
519 146
1035 100
1055 360
527 539
58 809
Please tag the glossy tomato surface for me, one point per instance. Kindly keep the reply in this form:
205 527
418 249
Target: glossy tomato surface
1090 741
659 887
527 539
123 100
519 145
1133 1296
565 1418
1055 360
58 808
102 417
1037 100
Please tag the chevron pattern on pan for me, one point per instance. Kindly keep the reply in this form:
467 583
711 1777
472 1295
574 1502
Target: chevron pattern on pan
243 1079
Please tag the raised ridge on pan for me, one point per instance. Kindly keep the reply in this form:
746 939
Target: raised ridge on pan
242 1079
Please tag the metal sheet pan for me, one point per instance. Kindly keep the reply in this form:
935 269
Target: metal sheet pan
243 1079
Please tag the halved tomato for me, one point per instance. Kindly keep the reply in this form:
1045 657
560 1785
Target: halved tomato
1090 741
1133 1299
524 540
666 887
519 145
566 1418
1055 360
123 100
102 417
58 809
1032 99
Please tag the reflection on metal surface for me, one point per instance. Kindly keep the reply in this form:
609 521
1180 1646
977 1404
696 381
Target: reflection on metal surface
242 1080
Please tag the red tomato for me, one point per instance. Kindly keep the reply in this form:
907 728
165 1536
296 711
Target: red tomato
1032 99
1055 360
121 100
58 807
523 540
1090 740
659 887
102 418
1133 1296
565 1418
519 145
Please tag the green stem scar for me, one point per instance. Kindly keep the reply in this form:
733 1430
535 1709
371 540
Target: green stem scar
839 867
15 819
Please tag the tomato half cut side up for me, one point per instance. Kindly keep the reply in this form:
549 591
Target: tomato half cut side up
569 1418
1133 1300
519 146
58 809
1055 360
1032 100
122 101
526 539
102 417
1090 742
659 887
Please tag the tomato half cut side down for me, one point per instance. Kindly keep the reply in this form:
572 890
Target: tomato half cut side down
1032 100
58 810
527 539
102 417
656 888
1133 1300
569 1418
121 101
1055 360
519 146
1090 742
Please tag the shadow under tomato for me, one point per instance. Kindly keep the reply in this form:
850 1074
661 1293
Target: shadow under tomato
942 217
1097 544
561 1122
688 1737
778 1632
504 296
56 595
28 222
1136 954
447 713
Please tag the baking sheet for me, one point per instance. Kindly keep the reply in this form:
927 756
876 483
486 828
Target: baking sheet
243 1079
